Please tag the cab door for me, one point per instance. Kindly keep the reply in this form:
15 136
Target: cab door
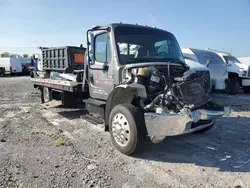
218 69
100 76
217 66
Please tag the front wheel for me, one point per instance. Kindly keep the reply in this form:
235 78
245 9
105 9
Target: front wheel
233 85
127 128
246 89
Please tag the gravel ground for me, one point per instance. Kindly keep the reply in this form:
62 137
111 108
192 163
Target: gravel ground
54 147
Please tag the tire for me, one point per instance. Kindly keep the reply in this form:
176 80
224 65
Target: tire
246 89
131 123
2 72
32 74
205 129
46 95
233 85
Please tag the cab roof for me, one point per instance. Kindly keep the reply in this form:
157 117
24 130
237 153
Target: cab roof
113 25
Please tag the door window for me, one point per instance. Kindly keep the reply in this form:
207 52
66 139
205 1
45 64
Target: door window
231 59
218 60
100 48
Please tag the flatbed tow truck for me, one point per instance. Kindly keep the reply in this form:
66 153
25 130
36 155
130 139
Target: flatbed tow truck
135 81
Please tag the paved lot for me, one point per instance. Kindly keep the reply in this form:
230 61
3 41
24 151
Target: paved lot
56 148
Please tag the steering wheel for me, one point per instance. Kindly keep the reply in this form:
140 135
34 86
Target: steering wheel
163 54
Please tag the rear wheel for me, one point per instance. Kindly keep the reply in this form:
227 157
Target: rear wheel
32 74
233 85
246 89
127 128
46 95
2 71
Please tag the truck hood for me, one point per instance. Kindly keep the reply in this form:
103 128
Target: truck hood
242 66
196 66
148 64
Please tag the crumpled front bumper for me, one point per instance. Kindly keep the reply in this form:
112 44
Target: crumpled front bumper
162 124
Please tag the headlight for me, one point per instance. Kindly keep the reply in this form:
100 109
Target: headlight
244 73
241 69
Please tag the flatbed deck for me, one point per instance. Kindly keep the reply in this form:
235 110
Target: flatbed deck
63 85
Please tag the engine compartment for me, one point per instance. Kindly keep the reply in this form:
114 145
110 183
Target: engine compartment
172 88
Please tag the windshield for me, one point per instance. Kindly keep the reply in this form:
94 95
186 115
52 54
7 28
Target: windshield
136 44
231 59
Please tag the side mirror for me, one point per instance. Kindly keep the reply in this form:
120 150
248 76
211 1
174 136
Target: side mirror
91 59
91 49
208 62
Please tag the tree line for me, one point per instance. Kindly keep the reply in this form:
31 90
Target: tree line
7 54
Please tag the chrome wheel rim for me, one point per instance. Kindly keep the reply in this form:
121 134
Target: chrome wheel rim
120 129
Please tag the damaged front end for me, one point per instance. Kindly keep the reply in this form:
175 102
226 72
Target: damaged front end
177 99
160 125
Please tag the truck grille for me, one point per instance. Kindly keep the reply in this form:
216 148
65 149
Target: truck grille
196 89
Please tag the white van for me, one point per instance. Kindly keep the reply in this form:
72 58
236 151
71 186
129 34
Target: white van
11 65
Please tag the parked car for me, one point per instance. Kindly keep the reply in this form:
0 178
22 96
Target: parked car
11 65
238 72
218 69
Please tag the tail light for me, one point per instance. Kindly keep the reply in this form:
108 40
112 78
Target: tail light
79 58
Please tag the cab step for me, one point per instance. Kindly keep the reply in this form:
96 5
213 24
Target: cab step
95 107
95 102
92 119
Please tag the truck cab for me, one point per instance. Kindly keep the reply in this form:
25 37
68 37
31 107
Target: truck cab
125 45
239 73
